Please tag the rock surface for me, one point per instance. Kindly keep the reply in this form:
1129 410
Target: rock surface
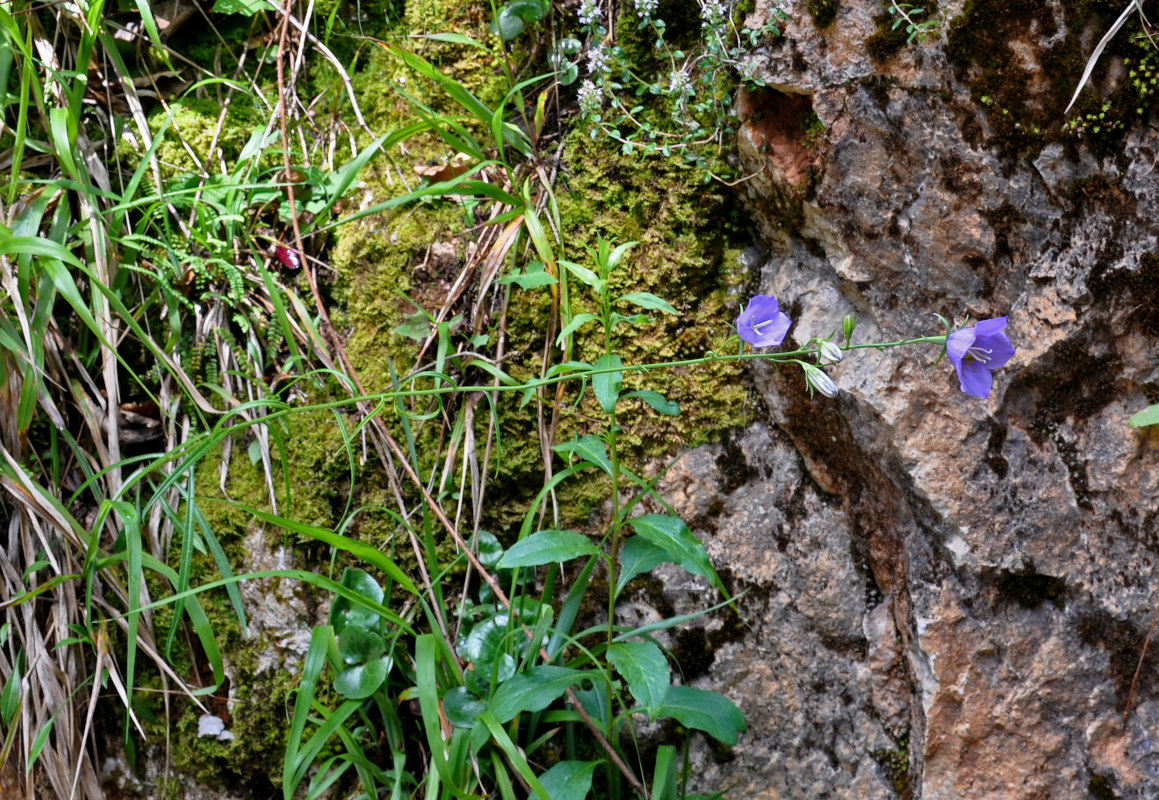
948 596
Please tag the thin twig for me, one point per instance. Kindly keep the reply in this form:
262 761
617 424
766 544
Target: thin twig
1139 666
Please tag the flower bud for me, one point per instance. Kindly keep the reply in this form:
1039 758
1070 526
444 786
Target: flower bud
819 381
830 352
848 323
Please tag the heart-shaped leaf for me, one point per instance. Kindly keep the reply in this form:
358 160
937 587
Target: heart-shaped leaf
358 645
462 707
345 612
362 680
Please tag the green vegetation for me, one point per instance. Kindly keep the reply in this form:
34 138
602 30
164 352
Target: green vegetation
363 285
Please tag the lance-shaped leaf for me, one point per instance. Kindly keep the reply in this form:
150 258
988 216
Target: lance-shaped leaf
673 535
645 669
547 547
569 780
533 690
607 385
710 712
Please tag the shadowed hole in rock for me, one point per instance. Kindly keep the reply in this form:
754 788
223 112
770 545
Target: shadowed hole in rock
778 124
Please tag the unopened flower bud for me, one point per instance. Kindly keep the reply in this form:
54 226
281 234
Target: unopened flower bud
830 352
848 323
819 381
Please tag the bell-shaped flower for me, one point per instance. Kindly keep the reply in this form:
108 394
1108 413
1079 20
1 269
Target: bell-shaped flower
976 351
762 323
819 381
829 352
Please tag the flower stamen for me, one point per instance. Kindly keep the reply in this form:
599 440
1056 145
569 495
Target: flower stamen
980 354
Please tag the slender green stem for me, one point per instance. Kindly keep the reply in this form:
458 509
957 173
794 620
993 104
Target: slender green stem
615 551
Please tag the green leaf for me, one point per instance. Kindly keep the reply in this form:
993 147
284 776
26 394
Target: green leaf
358 645
361 681
638 555
453 38
577 322
345 612
416 326
534 276
710 712
645 669
659 403
514 14
649 301
584 274
485 641
673 535
38 744
664 778
490 550
462 708
246 7
546 547
589 448
533 690
607 385
10 695
629 319
1148 416
569 780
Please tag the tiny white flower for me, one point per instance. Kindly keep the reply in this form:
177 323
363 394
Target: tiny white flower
646 8
597 61
591 97
590 12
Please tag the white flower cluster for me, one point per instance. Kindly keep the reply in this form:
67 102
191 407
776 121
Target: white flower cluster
590 12
713 13
679 83
591 98
598 61
646 8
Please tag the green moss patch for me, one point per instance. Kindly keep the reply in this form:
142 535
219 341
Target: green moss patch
1025 88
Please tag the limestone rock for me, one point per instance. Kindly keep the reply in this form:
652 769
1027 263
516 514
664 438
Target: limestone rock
1013 538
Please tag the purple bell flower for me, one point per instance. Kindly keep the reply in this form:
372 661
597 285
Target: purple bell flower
977 351
762 323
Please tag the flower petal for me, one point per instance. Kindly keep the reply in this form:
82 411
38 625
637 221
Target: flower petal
762 324
957 344
988 327
772 332
975 379
1001 350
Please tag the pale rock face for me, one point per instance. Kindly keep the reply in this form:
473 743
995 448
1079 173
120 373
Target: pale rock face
1009 543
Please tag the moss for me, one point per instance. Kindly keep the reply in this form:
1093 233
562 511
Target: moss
259 719
895 764
823 11
1024 103
682 256
884 42
195 122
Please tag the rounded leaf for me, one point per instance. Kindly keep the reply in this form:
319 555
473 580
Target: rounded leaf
358 645
462 707
362 680
485 640
345 612
490 550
